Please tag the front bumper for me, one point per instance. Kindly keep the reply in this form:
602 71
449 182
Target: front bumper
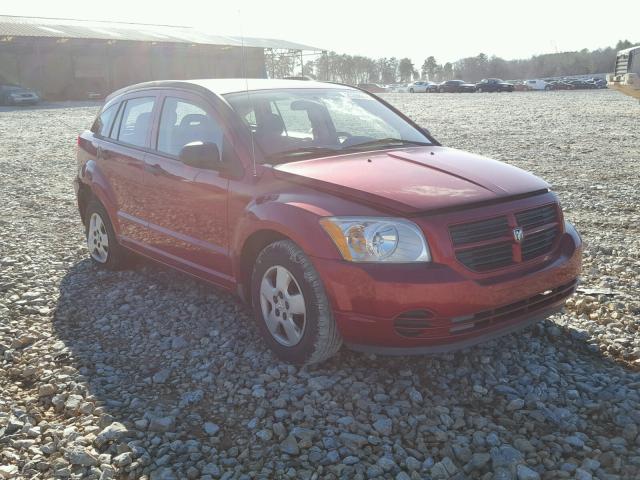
368 298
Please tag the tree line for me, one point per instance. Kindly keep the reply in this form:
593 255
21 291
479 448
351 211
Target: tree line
354 69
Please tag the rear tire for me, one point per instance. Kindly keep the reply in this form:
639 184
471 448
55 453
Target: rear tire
104 249
291 307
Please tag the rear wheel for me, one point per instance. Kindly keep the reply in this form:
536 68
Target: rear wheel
104 249
291 307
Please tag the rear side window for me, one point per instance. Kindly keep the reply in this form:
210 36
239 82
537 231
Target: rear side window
102 125
136 121
183 122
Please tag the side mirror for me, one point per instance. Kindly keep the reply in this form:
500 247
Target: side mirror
201 155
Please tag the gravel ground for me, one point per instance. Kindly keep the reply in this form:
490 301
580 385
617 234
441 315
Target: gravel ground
150 374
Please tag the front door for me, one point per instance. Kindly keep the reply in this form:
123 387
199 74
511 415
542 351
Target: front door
186 206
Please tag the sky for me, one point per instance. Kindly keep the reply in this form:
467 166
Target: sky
448 30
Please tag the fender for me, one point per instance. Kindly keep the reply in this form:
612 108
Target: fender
298 221
92 177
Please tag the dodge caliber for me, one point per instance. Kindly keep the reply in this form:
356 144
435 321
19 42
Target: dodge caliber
332 214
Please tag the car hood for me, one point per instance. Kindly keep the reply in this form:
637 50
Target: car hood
413 180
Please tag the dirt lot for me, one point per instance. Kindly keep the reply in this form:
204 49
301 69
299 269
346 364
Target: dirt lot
149 374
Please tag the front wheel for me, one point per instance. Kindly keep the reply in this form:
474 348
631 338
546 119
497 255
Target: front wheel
291 307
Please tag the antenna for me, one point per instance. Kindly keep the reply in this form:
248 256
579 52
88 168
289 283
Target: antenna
246 86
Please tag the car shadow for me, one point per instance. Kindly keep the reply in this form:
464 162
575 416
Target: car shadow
164 354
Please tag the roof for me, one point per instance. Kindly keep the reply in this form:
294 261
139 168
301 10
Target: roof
628 50
12 26
223 86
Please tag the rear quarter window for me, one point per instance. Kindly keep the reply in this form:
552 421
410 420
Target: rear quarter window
102 124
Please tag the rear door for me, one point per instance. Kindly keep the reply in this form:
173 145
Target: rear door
187 206
120 153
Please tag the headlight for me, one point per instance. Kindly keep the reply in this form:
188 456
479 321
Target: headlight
377 239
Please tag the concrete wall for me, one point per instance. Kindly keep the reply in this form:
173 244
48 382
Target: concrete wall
73 69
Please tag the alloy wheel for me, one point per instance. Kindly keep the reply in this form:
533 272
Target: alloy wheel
283 306
98 239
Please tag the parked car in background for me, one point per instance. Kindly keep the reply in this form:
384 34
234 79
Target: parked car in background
538 84
559 85
520 86
335 216
494 85
578 84
398 88
372 87
11 94
456 86
423 86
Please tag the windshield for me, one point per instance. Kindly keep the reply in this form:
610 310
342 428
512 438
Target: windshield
291 124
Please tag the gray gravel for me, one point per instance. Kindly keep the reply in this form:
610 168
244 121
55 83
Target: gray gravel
150 374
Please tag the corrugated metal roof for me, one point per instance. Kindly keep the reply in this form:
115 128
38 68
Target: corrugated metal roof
11 26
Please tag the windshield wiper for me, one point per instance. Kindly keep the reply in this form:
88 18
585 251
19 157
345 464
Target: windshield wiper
280 157
385 142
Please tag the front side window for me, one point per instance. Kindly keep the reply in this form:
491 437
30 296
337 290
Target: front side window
102 125
290 124
182 122
135 122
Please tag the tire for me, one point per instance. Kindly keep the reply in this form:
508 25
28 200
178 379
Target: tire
282 271
103 246
411 90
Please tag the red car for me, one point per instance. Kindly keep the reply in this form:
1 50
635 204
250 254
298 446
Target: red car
337 218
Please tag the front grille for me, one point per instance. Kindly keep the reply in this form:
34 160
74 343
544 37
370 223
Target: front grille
487 318
479 231
490 244
537 216
489 257
538 243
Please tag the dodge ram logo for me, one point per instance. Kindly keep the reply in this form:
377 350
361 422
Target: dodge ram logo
518 234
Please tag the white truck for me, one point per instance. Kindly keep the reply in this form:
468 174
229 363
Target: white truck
537 85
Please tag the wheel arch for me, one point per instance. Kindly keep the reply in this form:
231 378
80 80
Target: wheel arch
251 248
85 195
